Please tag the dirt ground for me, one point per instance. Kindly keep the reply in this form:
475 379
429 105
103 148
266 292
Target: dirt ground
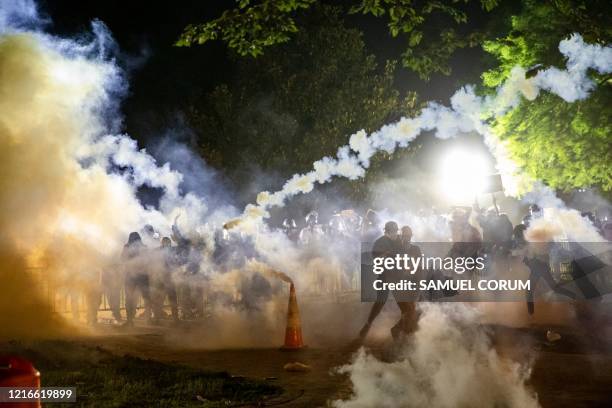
575 371
312 388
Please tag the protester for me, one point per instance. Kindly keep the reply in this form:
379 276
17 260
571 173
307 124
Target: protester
136 277
387 245
538 262
111 288
291 229
162 282
409 316
312 232
189 256
535 212
370 227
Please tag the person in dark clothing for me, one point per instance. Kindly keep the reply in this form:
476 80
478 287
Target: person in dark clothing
162 281
312 233
518 236
388 245
539 268
409 316
370 227
535 212
136 277
466 239
368 232
111 287
291 229
496 232
189 258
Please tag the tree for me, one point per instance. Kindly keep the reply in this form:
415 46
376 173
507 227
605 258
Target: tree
566 145
298 102
433 29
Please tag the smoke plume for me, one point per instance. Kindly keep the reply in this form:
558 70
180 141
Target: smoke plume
69 185
468 112
449 362
70 180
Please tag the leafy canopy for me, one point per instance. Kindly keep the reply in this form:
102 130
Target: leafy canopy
298 102
430 28
567 145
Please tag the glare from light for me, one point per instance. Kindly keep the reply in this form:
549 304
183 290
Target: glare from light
463 176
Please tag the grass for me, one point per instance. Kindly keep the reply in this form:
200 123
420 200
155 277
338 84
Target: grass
106 380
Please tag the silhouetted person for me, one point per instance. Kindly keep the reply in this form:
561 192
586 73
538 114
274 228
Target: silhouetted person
136 277
370 227
467 241
496 232
291 230
409 316
312 232
111 287
518 236
535 212
539 268
162 281
388 245
188 258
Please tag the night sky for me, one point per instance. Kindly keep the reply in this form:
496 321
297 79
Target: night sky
162 77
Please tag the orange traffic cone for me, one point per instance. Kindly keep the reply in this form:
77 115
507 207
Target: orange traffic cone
293 333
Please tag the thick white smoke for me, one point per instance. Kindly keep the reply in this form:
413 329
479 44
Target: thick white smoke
468 112
448 363
69 181
69 184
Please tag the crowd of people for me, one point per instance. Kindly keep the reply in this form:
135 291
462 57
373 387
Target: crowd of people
146 274
167 273
497 241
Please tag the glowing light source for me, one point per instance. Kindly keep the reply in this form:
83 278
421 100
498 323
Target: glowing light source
463 176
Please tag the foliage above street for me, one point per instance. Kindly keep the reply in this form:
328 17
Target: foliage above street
299 101
433 30
567 145
304 80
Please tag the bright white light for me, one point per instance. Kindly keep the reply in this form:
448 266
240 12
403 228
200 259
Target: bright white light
463 176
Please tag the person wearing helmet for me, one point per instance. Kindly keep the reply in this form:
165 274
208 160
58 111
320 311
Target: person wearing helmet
409 316
467 241
535 212
290 229
312 232
370 227
387 245
336 227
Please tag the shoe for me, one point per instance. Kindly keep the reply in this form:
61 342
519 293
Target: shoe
363 332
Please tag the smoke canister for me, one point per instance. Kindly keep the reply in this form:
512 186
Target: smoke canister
18 372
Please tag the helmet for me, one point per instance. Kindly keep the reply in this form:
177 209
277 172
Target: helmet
371 217
133 238
534 208
289 223
312 218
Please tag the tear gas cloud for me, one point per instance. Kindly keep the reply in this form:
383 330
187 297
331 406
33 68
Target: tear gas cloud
70 184
449 362
468 112
70 181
